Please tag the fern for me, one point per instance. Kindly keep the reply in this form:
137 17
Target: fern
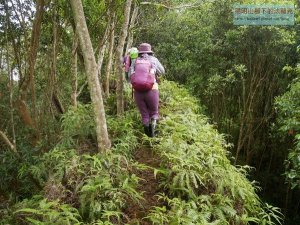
158 216
47 212
200 171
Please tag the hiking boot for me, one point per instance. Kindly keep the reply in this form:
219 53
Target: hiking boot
152 127
147 130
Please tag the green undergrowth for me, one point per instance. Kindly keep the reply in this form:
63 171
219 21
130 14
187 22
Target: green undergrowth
79 184
83 186
201 185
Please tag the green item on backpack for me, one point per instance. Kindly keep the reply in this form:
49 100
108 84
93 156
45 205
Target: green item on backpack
134 52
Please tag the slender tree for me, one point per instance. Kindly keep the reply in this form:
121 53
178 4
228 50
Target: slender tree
74 71
53 87
131 26
110 54
102 46
119 58
92 74
28 81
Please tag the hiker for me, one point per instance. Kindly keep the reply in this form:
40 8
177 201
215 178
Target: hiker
144 82
132 54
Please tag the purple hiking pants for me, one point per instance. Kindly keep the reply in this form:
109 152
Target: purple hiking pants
147 102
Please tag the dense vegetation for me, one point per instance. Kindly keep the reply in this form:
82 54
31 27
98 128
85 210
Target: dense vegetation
237 104
80 185
246 77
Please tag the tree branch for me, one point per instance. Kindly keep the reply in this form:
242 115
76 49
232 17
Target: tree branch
173 7
5 139
81 88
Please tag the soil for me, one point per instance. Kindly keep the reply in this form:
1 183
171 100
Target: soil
148 185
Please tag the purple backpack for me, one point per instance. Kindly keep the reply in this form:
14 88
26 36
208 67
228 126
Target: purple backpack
142 79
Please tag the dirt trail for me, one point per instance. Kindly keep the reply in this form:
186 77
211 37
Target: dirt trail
148 185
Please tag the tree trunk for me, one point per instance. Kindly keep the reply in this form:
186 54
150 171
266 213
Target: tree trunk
11 89
74 71
22 20
29 81
13 145
92 75
131 27
242 121
119 59
53 88
102 48
110 54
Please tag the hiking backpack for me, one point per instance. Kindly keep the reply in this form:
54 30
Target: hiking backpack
142 79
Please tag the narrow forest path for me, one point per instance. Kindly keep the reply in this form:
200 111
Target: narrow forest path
148 186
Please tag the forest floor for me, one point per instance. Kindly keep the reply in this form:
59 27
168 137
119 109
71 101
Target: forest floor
148 186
